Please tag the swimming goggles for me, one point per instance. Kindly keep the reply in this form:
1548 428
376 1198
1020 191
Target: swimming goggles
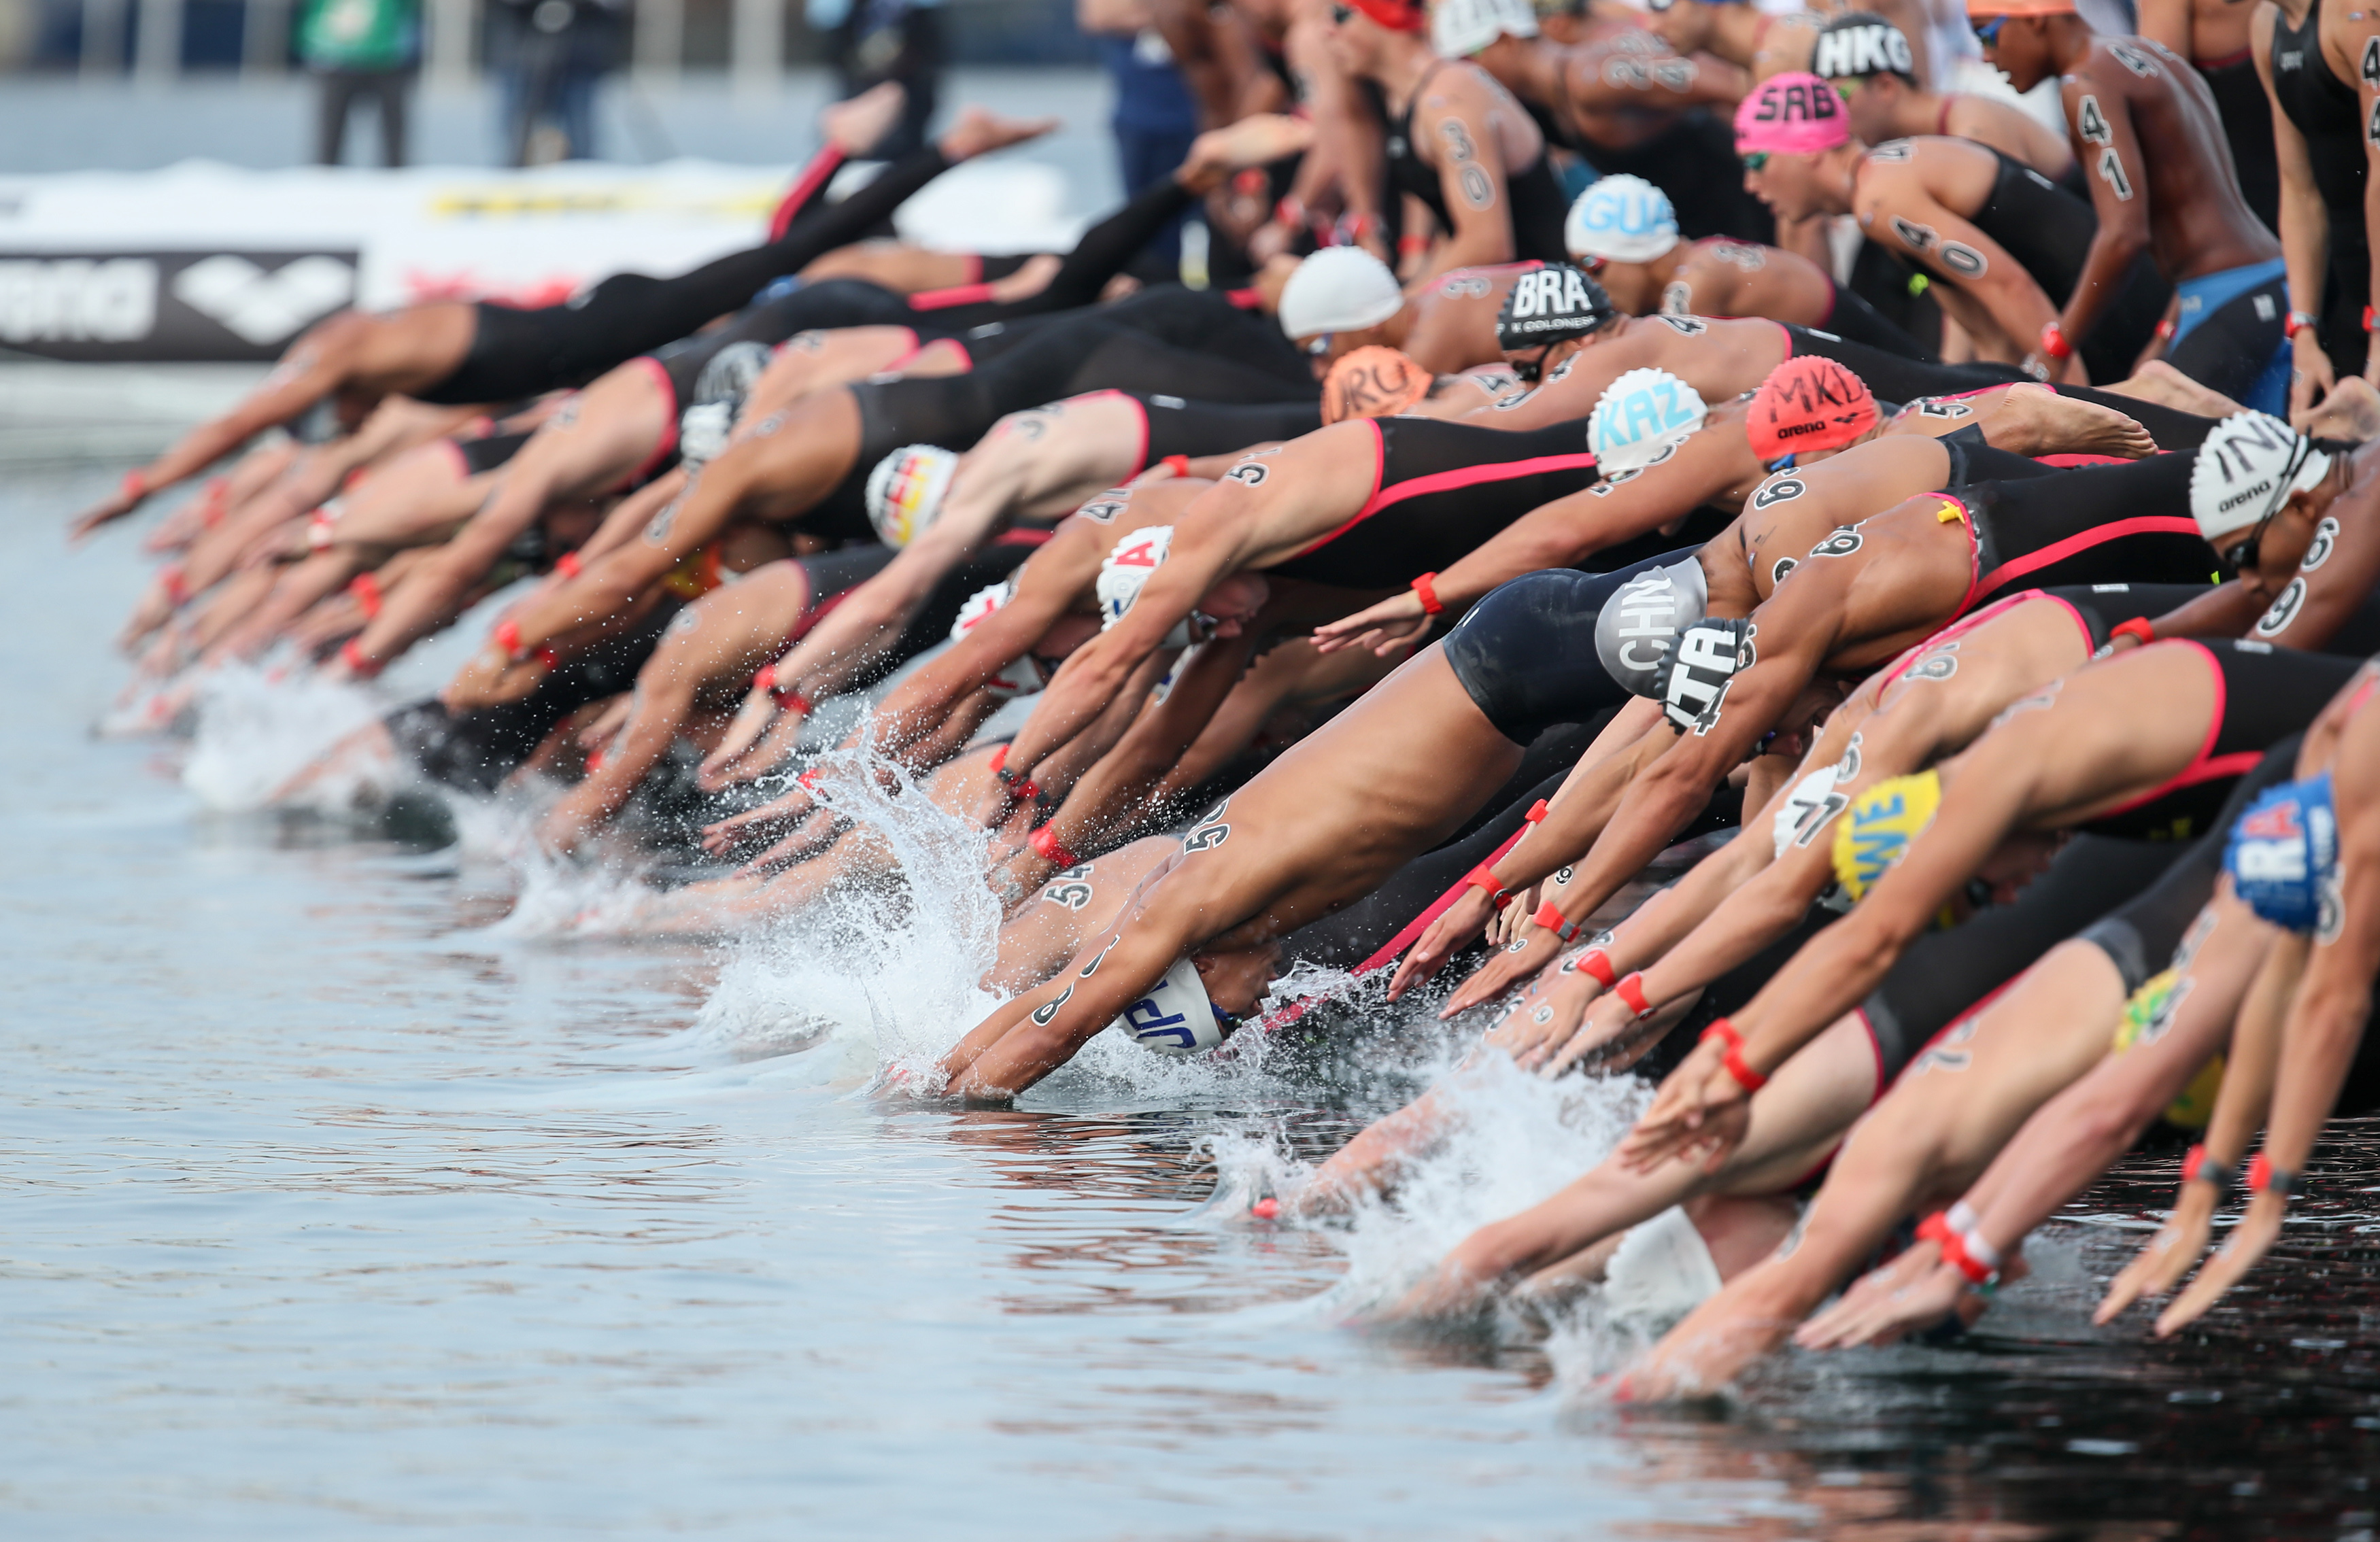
1987 31
1756 160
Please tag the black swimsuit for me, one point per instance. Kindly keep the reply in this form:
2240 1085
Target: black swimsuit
2049 231
2094 524
1538 204
2321 108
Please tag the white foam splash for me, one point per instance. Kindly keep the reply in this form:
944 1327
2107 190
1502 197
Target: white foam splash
260 726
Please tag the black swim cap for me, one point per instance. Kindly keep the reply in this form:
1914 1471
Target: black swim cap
1860 42
1555 304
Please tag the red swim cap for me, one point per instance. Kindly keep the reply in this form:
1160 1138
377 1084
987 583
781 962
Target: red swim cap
1808 404
1372 383
1792 113
1397 16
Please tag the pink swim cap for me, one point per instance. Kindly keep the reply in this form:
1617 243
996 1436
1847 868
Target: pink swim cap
1793 114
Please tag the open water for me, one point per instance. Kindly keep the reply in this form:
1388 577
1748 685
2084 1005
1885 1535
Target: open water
333 1204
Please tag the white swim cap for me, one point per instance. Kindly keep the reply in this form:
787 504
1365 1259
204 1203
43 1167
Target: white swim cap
1339 289
1459 29
1621 219
1021 675
1640 622
1126 569
2246 469
1639 416
1175 1017
906 490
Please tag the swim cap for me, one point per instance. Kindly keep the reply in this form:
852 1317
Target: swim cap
1621 219
1692 683
1792 113
905 491
1641 622
1459 29
2147 1013
1175 1017
1640 417
1397 16
2020 8
1861 43
1021 675
1554 304
1807 403
1372 383
1874 831
2246 469
1339 289
2283 856
1125 571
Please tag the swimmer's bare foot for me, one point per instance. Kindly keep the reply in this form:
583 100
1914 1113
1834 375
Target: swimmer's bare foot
2035 420
859 124
2160 382
1252 141
980 132
2351 411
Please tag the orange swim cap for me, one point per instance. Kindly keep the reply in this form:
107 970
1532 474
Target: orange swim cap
1372 383
1808 404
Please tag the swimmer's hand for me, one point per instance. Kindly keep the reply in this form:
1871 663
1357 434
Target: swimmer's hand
1254 141
2251 1240
1453 929
1908 1296
115 506
814 835
2351 411
1388 628
753 718
769 819
2159 1266
491 678
981 131
1600 1023
1505 968
2311 376
1699 1115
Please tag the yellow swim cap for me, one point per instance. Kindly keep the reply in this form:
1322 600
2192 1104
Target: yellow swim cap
1874 831
2146 1013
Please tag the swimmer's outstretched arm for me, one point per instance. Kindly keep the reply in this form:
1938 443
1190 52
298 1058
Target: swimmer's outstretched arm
1047 460
2326 1023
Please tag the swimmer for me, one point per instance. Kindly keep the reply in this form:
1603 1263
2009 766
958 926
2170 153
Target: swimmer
1873 67
2183 205
1624 231
2006 243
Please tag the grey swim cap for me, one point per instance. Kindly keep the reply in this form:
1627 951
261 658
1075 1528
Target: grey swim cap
1641 622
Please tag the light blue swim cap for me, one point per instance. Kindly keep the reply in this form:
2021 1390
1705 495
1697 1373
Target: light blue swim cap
1621 219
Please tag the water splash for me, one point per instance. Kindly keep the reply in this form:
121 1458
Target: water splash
259 727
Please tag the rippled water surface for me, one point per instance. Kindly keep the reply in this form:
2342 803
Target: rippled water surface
325 1211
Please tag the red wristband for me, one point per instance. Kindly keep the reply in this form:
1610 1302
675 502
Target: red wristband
999 759
2295 322
1550 916
1480 878
2165 331
2054 342
1426 588
1537 811
1407 245
2139 626
1935 1228
133 486
1630 988
1955 1254
2264 1177
365 586
2367 317
1745 1076
352 654
1178 465
1595 964
567 564
178 587
1045 841
507 636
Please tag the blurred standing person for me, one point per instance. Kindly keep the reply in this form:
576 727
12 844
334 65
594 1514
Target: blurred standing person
550 55
361 50
1154 116
876 40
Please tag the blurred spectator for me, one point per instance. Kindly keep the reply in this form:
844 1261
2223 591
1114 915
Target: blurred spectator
548 55
1154 116
876 40
361 50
